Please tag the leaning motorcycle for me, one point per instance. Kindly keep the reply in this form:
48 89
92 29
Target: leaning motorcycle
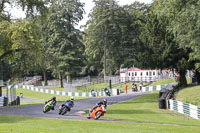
98 112
48 106
107 92
64 108
93 93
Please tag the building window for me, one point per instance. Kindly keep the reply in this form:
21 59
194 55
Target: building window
129 74
141 73
150 73
147 73
132 73
154 73
135 73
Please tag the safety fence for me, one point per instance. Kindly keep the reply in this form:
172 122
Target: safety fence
3 101
185 108
62 93
153 88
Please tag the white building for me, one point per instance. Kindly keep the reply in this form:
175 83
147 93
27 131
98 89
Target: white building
136 74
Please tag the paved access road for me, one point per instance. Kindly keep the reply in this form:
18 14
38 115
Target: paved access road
80 105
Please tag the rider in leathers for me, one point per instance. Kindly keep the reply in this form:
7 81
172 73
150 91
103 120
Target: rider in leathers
104 102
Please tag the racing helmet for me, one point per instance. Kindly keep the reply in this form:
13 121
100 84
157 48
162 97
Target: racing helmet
54 98
105 101
72 98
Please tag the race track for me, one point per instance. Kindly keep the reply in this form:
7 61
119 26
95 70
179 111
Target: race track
80 105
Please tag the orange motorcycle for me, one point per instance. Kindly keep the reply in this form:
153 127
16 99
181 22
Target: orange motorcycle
98 112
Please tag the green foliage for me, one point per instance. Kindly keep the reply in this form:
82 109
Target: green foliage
116 28
160 49
19 45
184 22
61 39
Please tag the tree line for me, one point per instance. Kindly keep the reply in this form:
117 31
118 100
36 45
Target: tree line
160 35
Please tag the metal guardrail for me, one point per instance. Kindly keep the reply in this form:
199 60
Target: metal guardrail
1 101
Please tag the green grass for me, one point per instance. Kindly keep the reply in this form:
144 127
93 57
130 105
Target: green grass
20 124
41 96
163 81
145 109
167 81
57 89
190 95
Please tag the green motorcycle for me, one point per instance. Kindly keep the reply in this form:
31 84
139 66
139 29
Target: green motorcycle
48 107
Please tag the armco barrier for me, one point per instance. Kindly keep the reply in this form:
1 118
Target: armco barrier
185 108
1 101
153 88
62 93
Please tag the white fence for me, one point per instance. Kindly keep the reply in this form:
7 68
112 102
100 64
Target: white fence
62 93
185 108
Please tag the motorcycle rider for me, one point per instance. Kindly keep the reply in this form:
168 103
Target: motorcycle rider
107 91
53 101
93 92
104 102
71 102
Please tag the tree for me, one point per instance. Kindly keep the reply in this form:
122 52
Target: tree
160 49
19 46
184 23
62 39
110 36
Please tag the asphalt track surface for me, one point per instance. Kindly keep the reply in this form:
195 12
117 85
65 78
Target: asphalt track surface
76 111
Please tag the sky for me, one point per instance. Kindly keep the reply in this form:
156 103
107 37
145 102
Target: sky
18 13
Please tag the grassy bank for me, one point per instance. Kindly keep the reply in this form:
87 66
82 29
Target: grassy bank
190 95
167 81
145 109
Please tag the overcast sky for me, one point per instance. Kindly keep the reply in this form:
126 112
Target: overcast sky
17 13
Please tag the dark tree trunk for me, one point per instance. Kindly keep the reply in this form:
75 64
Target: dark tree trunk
45 77
61 80
182 82
197 75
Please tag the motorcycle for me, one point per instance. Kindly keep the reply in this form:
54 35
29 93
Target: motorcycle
98 112
134 88
48 106
107 92
93 93
65 107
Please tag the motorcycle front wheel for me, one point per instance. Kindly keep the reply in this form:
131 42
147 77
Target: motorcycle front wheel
98 115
